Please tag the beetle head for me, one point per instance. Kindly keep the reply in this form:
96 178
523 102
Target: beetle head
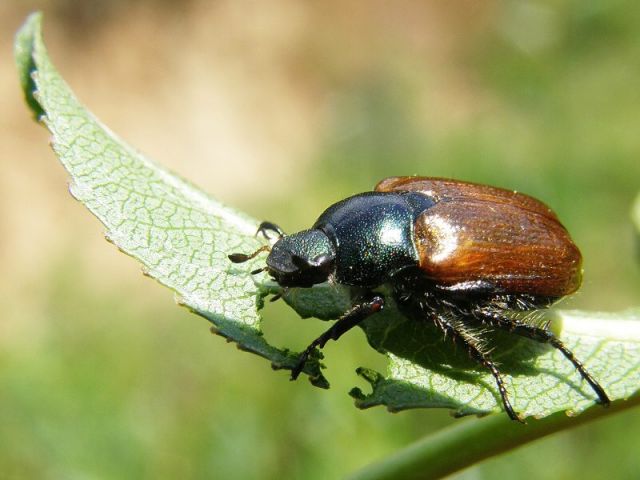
302 259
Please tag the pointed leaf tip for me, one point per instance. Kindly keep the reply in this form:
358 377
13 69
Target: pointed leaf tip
25 62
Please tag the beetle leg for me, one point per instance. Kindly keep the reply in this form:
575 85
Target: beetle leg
457 330
543 335
349 320
265 227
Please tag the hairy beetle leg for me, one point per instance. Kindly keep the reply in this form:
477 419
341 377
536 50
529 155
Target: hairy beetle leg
543 335
476 353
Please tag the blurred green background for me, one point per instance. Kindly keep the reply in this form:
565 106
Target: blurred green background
281 108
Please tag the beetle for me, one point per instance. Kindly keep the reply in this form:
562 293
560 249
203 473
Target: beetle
460 254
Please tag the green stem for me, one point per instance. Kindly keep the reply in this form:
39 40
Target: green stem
635 213
472 441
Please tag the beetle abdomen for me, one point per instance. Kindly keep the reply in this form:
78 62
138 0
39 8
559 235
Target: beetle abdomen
481 233
516 250
456 190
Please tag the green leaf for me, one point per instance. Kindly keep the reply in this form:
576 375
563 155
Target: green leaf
179 234
182 238
425 370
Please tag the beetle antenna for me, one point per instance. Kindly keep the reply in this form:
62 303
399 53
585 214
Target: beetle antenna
243 257
258 270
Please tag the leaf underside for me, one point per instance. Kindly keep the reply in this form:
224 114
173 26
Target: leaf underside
182 238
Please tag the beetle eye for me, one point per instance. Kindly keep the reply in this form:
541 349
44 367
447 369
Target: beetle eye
300 263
